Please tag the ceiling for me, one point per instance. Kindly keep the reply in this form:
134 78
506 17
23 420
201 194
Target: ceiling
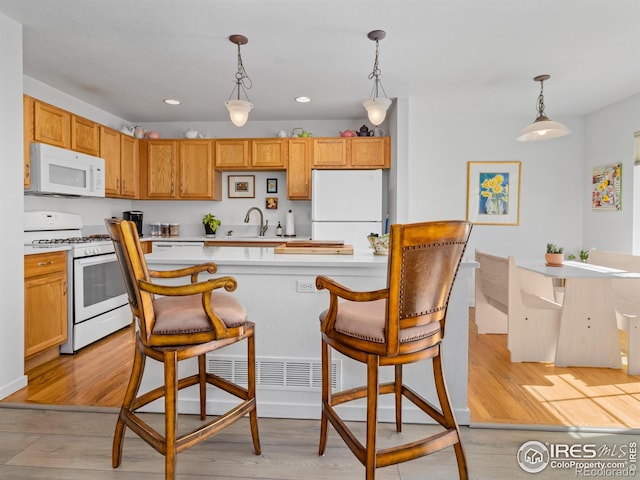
126 56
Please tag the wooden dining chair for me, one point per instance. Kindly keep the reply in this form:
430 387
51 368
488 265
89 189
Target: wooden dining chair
394 326
177 323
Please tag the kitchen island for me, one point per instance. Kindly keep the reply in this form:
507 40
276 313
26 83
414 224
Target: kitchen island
278 291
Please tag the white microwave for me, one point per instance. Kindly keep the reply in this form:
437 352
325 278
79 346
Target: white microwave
57 171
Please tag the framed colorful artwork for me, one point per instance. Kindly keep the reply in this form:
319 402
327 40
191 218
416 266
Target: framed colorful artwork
272 185
271 203
493 193
606 183
242 186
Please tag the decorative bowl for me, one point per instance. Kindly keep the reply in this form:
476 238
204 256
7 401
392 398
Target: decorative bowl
380 244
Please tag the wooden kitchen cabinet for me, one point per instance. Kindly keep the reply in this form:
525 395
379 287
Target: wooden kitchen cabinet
161 169
179 169
52 125
352 153
299 169
269 153
110 151
128 167
27 111
45 306
370 152
232 154
251 154
330 152
197 176
120 153
85 136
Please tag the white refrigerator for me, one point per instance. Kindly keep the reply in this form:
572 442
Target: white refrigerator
346 205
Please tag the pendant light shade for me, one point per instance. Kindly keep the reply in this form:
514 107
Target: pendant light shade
239 109
375 105
542 128
377 109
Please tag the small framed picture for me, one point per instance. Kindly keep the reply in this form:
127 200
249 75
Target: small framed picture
272 185
242 186
271 203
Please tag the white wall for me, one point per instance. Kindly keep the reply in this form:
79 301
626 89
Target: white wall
441 142
609 138
12 376
44 92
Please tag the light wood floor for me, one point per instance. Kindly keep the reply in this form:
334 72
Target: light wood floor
542 394
37 444
500 392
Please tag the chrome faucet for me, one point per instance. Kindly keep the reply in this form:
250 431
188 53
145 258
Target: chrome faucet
263 224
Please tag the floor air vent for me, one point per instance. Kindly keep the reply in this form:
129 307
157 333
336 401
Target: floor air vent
275 373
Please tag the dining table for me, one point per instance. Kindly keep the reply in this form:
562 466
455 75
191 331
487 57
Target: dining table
588 333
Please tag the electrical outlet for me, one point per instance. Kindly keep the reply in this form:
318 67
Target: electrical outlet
305 286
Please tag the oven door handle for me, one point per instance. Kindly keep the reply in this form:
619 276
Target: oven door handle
96 259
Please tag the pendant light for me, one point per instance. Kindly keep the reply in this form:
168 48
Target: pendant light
239 109
376 106
542 128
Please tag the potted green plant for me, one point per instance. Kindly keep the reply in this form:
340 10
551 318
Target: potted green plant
584 256
211 223
554 256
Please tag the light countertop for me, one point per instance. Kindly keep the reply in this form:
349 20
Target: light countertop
29 250
259 256
221 238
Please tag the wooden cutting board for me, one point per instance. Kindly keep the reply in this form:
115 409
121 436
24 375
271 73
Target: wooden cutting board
315 243
315 249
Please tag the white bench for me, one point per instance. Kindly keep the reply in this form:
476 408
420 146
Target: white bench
519 303
626 295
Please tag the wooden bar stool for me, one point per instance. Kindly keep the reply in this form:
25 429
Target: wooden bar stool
188 321
401 324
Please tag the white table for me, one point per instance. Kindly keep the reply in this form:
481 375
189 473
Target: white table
588 331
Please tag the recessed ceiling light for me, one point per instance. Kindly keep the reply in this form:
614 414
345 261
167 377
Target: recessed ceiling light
172 101
303 99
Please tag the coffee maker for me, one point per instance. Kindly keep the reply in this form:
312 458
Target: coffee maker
136 217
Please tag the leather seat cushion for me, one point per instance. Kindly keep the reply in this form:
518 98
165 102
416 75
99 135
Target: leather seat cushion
365 320
178 315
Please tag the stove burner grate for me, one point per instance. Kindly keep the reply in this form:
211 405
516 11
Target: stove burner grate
71 240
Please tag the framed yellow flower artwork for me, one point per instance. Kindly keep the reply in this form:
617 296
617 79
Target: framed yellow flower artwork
605 193
493 193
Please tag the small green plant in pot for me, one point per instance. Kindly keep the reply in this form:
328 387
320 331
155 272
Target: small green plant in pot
554 256
584 256
211 223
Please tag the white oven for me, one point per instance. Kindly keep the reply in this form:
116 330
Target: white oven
97 286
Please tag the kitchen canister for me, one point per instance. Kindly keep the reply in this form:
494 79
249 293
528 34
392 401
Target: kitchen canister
156 229
290 225
174 229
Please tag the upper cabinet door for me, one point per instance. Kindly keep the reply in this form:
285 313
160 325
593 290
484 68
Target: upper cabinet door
52 125
85 136
27 108
269 153
110 151
161 165
232 154
370 152
299 169
196 168
128 167
330 152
